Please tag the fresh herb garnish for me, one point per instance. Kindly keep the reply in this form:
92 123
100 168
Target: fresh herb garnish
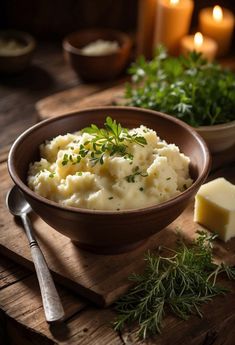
196 91
136 172
180 283
65 159
111 140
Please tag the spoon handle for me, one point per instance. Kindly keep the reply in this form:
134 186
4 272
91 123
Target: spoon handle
51 301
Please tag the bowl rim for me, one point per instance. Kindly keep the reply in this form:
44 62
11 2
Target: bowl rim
127 42
216 127
133 211
30 42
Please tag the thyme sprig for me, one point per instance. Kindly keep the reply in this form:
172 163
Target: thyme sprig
179 283
112 140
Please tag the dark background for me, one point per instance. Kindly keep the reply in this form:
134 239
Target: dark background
53 19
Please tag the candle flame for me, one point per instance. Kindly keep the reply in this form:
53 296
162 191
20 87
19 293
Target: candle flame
217 13
198 39
174 2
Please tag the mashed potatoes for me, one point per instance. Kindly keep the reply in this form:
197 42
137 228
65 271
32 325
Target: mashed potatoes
98 169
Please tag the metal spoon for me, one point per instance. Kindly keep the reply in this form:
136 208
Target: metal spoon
19 207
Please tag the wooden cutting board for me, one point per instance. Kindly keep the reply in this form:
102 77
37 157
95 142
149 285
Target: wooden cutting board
82 96
100 278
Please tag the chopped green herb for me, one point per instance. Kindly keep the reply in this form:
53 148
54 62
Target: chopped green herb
52 175
136 172
179 283
110 198
168 178
79 173
141 189
65 159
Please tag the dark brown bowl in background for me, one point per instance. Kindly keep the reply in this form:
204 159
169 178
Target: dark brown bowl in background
18 60
109 231
99 67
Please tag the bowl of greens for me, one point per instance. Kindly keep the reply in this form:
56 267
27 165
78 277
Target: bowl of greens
199 92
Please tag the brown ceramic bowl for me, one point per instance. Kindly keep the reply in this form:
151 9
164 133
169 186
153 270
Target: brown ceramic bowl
97 67
16 50
218 137
109 231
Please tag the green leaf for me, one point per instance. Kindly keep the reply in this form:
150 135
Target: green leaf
196 91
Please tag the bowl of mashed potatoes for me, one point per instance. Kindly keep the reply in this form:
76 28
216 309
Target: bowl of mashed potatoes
97 54
109 177
16 51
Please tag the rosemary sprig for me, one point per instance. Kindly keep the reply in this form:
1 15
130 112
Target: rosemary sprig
180 283
111 140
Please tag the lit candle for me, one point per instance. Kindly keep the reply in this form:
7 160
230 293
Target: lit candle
198 42
173 19
218 24
145 27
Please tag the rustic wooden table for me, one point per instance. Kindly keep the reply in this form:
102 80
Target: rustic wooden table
21 317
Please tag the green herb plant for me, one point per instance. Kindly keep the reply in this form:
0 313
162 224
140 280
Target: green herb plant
194 90
179 283
111 140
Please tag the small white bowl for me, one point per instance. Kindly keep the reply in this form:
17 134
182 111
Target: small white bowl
218 137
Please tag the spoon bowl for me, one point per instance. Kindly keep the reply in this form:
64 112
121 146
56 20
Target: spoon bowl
16 202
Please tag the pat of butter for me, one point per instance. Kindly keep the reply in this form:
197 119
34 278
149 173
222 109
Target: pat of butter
215 207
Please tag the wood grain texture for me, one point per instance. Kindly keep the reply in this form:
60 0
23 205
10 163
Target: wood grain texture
101 278
47 74
22 302
82 325
65 101
111 96
10 272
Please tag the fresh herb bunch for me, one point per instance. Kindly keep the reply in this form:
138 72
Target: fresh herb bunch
111 140
196 91
180 283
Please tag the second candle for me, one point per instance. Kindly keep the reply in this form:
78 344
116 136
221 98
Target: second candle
172 23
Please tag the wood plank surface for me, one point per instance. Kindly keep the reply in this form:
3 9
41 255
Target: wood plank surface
65 101
51 106
101 278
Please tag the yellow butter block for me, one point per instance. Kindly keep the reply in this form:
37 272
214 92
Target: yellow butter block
215 207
